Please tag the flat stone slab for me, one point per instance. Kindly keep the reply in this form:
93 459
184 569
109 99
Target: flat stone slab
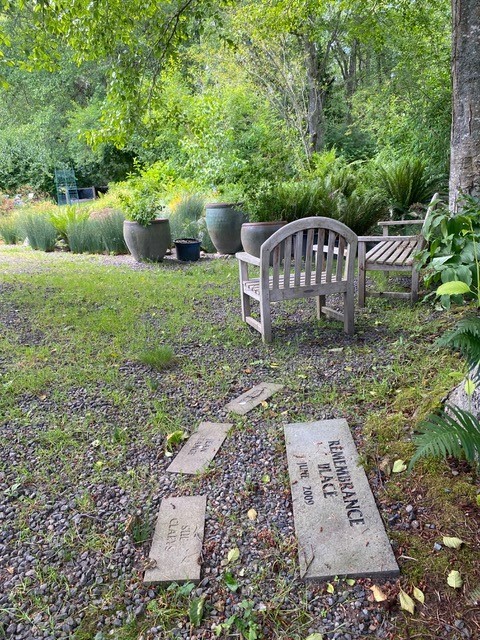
255 396
177 542
200 449
338 526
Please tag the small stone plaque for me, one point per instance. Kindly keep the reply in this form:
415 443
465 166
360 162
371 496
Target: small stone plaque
250 399
338 526
200 449
177 541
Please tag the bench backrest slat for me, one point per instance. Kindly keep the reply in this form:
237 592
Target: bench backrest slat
311 249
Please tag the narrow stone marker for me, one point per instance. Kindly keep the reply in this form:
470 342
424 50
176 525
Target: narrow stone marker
177 542
250 399
201 448
338 526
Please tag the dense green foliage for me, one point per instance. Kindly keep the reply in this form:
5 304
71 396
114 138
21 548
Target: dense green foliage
223 93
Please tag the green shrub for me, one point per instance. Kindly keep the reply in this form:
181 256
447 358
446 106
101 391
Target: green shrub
338 190
360 211
406 182
39 231
111 232
84 236
290 201
9 230
141 206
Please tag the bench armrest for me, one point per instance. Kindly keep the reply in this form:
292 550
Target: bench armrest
243 256
399 223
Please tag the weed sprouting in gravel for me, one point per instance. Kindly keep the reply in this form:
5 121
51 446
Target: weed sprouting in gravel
139 526
157 357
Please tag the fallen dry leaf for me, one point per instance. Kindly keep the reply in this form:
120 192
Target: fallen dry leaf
378 594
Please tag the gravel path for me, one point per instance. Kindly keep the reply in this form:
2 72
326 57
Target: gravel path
71 551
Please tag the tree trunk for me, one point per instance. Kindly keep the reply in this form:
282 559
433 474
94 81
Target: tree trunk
465 139
315 120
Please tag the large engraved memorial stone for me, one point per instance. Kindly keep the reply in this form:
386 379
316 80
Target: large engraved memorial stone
201 448
250 399
177 542
338 526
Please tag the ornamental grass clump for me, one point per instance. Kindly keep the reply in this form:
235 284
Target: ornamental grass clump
83 236
9 230
110 228
185 216
39 230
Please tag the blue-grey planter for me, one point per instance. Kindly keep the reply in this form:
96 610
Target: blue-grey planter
224 223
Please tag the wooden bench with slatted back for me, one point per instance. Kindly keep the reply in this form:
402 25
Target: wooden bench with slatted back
392 253
291 266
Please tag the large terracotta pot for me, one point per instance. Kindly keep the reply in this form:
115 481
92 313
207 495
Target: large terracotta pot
150 243
224 222
254 234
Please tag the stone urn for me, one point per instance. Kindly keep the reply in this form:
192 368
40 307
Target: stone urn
148 243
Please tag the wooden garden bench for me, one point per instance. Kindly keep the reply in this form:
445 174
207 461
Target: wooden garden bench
392 253
291 266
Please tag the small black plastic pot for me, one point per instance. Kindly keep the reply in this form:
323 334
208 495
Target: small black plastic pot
188 249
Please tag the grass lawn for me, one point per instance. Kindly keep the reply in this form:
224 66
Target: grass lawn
100 361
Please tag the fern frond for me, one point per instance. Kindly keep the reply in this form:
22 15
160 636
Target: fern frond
474 596
467 326
449 435
465 337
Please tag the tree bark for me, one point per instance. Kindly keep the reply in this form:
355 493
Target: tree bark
465 137
316 94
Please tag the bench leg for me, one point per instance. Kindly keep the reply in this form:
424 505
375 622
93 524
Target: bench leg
265 318
361 274
245 299
349 312
415 279
246 308
320 303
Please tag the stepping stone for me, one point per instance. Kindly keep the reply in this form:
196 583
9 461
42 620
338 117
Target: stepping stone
250 399
338 526
200 449
175 555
